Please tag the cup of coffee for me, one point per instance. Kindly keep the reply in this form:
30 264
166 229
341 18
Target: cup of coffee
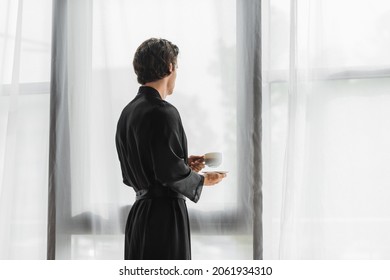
213 159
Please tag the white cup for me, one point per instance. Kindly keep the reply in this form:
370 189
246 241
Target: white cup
213 159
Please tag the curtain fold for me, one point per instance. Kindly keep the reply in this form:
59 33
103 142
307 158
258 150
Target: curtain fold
249 104
59 153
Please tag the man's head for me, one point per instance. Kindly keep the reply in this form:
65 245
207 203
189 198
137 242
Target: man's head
155 59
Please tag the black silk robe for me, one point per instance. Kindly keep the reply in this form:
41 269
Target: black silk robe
152 149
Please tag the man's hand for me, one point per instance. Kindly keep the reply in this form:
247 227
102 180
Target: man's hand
213 178
196 163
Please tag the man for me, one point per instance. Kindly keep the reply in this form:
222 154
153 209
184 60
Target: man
152 150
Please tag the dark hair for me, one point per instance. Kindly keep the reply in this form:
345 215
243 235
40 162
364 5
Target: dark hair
152 59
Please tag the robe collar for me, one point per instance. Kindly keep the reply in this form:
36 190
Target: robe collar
150 91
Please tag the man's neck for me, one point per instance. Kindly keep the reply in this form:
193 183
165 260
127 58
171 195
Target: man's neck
160 86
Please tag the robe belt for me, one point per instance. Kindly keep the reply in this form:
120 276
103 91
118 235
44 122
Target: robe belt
158 192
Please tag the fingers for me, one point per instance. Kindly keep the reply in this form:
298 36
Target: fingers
199 165
196 163
220 177
215 175
197 169
213 178
196 157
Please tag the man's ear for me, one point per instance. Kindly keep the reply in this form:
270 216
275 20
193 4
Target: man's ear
170 67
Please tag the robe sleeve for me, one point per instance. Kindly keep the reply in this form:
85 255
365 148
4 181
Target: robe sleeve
125 181
167 151
119 149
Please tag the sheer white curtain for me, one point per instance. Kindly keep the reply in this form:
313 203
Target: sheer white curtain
326 129
25 35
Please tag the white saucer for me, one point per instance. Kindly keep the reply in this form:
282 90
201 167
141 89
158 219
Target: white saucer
216 171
